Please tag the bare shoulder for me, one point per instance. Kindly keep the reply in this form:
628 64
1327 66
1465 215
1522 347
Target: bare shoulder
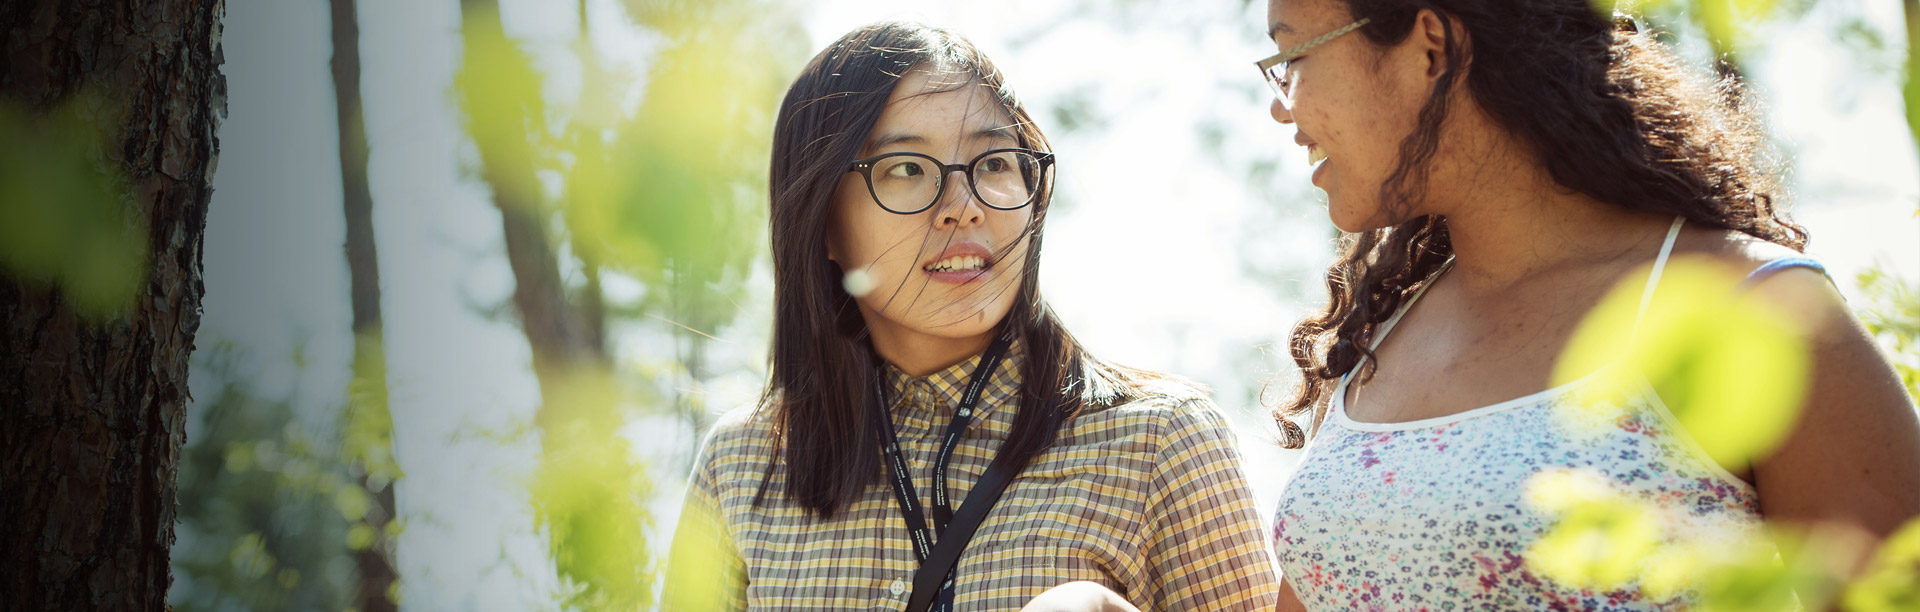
1805 294
1731 247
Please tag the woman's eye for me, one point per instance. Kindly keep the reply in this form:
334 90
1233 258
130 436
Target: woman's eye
994 165
906 170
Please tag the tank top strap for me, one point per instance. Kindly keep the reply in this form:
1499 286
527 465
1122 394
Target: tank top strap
1659 266
1777 266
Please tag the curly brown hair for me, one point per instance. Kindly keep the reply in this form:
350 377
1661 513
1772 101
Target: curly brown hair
1610 112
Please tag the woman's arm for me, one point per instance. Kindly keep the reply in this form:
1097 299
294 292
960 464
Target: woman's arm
1290 601
1853 458
1206 547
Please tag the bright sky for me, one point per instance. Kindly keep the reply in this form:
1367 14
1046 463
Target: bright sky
1215 268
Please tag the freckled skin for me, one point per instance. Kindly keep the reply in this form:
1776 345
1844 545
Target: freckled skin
1347 106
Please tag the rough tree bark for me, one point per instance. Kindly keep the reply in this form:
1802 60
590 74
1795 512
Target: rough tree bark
367 406
93 413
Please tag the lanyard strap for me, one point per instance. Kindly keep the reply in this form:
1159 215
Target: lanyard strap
903 490
936 576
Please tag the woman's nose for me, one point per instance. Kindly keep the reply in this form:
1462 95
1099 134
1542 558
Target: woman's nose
960 208
1280 112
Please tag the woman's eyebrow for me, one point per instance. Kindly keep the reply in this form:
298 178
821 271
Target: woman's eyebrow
887 140
1279 27
1005 131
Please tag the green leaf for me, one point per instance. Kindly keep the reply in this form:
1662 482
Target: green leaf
65 216
1734 371
352 502
360 536
1892 581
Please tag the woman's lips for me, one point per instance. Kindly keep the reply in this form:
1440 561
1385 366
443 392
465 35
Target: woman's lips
959 278
960 263
1318 159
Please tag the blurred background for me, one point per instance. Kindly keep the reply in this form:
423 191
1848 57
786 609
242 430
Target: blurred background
481 387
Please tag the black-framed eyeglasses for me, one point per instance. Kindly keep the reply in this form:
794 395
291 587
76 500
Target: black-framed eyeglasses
1278 69
1002 179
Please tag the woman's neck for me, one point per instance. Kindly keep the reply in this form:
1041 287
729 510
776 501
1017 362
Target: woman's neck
1514 222
919 354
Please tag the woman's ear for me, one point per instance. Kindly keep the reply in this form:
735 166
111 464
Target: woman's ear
1430 30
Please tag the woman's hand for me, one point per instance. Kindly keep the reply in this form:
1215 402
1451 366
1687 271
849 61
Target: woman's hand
1079 597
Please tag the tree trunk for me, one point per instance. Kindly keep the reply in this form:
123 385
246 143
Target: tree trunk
586 492
369 426
93 412
562 340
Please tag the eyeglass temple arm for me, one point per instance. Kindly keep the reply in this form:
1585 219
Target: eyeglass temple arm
1296 50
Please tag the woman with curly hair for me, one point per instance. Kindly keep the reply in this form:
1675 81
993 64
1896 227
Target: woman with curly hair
1498 167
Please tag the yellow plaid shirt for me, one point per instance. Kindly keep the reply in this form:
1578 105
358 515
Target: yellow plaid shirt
1147 498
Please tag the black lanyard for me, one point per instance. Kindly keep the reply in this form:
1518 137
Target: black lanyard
903 491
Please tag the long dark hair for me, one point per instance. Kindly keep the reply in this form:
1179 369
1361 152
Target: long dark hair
823 364
1612 114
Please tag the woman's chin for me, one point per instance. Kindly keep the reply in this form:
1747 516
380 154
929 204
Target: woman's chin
1352 224
962 322
1356 219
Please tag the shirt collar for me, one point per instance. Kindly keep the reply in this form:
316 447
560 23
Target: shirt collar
943 388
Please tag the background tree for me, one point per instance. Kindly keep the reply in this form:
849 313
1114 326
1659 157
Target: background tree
587 491
110 112
367 428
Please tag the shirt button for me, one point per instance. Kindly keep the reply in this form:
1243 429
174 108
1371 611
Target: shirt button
897 587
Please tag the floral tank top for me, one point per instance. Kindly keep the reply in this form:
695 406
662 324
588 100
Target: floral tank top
1434 514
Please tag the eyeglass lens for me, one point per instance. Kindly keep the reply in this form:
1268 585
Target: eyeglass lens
1002 179
1280 80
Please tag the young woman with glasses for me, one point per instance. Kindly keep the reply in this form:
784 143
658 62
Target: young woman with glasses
924 401
1499 166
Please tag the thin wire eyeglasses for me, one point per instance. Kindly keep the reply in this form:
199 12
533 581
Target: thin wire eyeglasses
907 183
1278 70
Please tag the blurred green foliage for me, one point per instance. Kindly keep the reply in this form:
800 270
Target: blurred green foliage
670 195
64 216
265 508
498 90
367 430
1892 581
1733 371
1892 315
590 495
1600 538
